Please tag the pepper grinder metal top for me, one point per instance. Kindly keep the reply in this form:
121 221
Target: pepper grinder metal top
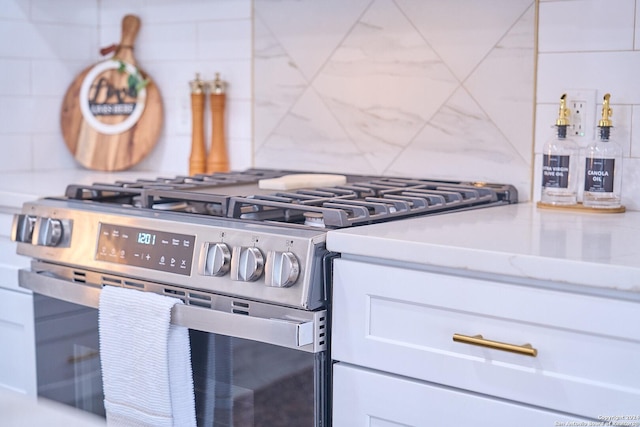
217 160
605 124
562 121
197 159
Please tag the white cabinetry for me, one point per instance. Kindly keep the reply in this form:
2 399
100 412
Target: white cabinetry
17 341
393 332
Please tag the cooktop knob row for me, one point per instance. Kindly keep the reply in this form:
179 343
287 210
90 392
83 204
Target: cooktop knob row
247 264
39 231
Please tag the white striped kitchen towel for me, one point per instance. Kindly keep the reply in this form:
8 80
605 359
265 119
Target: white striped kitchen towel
146 361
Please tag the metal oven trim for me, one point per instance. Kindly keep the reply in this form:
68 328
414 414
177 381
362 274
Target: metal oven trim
284 326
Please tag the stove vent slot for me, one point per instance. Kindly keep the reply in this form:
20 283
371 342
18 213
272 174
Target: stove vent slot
79 277
131 284
239 307
176 293
199 300
322 332
111 281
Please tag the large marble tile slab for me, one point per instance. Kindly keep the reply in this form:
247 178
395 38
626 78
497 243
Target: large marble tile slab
383 83
463 32
461 142
309 30
278 82
503 84
310 138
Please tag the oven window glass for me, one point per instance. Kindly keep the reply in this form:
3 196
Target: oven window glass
237 382
246 383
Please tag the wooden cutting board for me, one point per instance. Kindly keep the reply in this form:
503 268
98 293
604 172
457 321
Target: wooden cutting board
110 119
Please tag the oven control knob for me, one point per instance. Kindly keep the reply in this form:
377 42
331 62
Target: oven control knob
282 269
218 259
22 228
50 232
246 264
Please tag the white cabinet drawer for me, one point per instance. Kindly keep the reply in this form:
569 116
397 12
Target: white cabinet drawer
403 321
363 397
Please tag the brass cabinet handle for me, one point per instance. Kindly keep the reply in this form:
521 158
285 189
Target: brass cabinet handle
524 349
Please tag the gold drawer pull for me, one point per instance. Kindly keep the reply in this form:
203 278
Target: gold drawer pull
525 349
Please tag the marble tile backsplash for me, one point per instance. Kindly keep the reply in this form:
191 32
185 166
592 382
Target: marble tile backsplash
397 87
406 87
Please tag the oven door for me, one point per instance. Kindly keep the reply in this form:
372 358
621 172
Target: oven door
257 367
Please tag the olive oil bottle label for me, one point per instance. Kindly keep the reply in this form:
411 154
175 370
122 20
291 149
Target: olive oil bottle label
598 177
555 171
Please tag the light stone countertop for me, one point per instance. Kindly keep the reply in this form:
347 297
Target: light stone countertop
520 241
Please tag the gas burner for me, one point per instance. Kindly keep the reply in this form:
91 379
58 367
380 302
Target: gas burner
362 200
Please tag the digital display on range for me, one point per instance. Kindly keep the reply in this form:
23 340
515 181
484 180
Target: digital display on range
157 250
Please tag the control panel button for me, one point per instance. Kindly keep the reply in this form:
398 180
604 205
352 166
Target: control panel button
282 269
49 232
22 228
247 264
218 261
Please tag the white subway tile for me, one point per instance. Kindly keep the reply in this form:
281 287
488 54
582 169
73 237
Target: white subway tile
15 9
636 41
546 115
173 77
166 42
50 152
238 119
16 152
81 12
16 76
586 25
171 11
44 114
224 40
635 132
57 77
16 114
616 73
170 155
46 41
112 11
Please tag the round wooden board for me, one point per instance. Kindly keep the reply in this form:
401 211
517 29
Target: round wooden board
112 152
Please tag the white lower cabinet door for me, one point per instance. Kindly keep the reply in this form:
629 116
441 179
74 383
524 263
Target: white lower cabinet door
17 343
364 397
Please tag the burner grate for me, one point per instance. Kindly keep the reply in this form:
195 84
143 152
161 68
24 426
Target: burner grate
362 200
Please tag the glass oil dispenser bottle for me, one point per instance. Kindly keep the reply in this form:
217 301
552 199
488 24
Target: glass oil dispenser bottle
603 166
560 164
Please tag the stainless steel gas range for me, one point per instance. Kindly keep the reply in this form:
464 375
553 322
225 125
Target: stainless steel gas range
249 263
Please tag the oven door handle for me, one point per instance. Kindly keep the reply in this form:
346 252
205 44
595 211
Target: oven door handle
297 334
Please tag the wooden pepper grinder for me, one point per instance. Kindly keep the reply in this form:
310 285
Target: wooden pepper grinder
217 160
197 160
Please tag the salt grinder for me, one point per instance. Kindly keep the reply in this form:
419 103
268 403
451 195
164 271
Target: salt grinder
217 160
197 160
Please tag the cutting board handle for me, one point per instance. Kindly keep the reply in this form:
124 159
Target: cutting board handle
130 28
